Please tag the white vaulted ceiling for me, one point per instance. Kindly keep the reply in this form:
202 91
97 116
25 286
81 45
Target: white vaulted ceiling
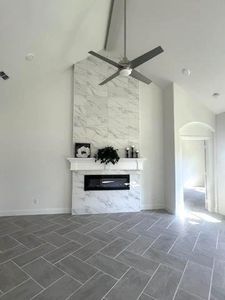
61 32
58 32
192 35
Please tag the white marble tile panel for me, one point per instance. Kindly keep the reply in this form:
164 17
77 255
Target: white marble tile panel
104 116
85 202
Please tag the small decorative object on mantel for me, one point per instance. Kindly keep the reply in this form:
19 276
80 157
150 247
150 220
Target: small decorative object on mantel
132 151
107 155
127 152
82 150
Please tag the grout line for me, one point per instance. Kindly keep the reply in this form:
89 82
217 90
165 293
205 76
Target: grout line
217 239
8 249
160 218
48 287
147 296
83 246
4 293
196 241
87 235
57 248
66 274
192 294
154 223
149 282
29 275
93 266
82 285
21 244
126 247
151 245
70 254
91 229
115 284
177 238
98 251
180 280
96 239
122 223
17 255
211 279
34 250
113 227
30 262
132 227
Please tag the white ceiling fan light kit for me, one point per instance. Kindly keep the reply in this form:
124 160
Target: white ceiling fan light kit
127 67
125 72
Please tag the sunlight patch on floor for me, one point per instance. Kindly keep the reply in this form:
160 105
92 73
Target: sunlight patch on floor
195 217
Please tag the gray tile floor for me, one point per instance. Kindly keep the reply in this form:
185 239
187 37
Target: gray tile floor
146 255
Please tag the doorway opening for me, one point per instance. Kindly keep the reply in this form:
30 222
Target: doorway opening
194 174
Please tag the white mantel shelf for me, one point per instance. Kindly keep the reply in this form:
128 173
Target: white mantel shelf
89 164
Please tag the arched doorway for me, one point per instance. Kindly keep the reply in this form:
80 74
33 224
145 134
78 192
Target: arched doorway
200 133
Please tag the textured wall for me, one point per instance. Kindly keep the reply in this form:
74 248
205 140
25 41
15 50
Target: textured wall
104 115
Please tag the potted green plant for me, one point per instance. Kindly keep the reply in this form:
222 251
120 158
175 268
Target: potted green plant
107 155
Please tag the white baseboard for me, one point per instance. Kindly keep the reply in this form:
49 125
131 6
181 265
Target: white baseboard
51 211
45 211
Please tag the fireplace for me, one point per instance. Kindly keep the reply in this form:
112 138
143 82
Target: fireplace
106 182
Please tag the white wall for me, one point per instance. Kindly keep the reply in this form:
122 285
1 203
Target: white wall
169 149
189 111
151 146
35 135
220 159
180 111
36 103
193 163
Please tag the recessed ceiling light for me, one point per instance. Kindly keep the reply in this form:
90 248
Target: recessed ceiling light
186 72
216 95
29 56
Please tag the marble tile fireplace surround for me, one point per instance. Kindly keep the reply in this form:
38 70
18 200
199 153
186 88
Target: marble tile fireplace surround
109 201
105 115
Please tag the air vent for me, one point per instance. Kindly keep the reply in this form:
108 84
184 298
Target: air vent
3 75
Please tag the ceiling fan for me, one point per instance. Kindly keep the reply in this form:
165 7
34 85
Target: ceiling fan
127 67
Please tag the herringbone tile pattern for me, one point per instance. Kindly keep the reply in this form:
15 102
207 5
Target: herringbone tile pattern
145 255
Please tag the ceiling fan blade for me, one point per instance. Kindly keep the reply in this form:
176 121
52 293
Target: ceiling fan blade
110 78
145 57
109 61
135 74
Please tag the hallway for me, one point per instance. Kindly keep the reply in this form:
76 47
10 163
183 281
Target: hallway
194 198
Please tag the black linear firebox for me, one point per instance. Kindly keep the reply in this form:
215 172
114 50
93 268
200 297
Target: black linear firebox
106 182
